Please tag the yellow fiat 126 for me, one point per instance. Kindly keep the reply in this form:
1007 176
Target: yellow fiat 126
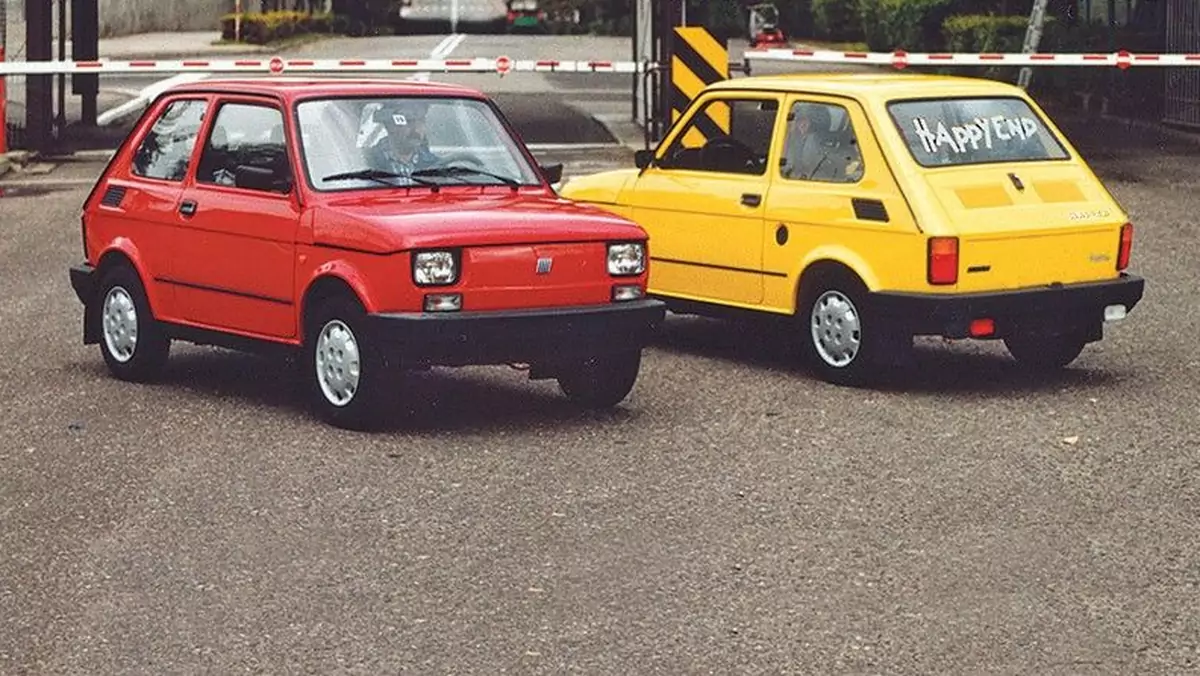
873 208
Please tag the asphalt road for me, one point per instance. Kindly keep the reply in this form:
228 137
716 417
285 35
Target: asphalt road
733 516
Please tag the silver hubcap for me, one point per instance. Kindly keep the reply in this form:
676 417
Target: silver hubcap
338 365
120 324
836 331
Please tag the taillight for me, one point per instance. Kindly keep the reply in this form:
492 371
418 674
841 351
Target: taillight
1125 247
943 260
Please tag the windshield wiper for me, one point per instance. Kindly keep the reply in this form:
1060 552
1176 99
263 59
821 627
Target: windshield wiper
375 175
457 170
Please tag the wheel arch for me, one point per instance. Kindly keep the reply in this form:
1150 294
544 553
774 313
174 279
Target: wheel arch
323 286
121 253
831 264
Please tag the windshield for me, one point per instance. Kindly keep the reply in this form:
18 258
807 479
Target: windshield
962 131
359 143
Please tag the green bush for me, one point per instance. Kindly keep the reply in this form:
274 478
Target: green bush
837 20
912 25
976 34
873 17
263 28
987 33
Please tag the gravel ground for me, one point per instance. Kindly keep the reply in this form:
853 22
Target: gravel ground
733 516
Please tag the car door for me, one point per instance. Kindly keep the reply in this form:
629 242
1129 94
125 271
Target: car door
834 195
141 201
234 265
703 197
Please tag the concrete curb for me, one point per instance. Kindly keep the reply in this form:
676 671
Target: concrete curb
11 160
626 132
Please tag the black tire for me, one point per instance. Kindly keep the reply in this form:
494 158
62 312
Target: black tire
1045 352
134 345
602 381
850 347
361 407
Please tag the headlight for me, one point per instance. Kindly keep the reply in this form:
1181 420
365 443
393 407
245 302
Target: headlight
435 268
626 259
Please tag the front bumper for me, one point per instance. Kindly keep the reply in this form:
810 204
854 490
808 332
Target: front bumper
83 281
544 336
1057 308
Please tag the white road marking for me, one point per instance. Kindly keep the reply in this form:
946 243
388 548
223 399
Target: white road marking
146 95
442 50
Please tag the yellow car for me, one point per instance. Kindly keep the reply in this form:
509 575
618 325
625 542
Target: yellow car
873 208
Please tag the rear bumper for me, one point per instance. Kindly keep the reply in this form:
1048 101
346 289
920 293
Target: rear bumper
1052 308
545 336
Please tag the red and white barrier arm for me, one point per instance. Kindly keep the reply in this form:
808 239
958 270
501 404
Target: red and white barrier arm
503 65
278 66
902 59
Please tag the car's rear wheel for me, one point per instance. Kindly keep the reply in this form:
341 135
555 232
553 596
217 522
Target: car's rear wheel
840 340
134 346
346 373
602 381
1045 352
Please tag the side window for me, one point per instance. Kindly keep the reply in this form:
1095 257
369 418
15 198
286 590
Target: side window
728 136
246 148
821 145
165 151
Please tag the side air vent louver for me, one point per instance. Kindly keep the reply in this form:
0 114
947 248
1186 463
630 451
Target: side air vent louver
870 210
113 196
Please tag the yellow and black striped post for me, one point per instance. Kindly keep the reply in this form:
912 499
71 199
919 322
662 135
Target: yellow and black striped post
698 60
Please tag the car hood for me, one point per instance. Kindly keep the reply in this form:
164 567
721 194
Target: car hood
600 188
390 223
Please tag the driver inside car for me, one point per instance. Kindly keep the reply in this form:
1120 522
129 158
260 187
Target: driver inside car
804 150
405 148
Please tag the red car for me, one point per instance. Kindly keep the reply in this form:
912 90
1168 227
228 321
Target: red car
368 226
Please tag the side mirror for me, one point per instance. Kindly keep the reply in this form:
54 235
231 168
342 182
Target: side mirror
643 158
553 173
260 178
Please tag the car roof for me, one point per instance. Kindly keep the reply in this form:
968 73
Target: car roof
881 86
295 87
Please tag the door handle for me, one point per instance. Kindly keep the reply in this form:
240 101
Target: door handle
751 200
187 208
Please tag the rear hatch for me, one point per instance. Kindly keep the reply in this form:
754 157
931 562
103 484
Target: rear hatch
1026 212
1059 226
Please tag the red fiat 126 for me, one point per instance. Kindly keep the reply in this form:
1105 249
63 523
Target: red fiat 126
418 231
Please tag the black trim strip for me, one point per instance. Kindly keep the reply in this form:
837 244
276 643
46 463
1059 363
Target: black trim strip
765 273
228 292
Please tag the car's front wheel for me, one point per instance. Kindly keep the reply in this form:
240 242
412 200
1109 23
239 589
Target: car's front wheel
1045 352
134 346
602 381
346 374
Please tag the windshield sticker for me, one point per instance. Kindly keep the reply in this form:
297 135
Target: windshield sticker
986 131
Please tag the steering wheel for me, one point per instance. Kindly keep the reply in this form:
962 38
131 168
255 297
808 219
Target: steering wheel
461 157
730 154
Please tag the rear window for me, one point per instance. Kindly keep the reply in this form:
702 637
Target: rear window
962 131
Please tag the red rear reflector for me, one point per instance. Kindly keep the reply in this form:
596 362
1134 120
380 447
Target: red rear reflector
982 327
943 260
1125 248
